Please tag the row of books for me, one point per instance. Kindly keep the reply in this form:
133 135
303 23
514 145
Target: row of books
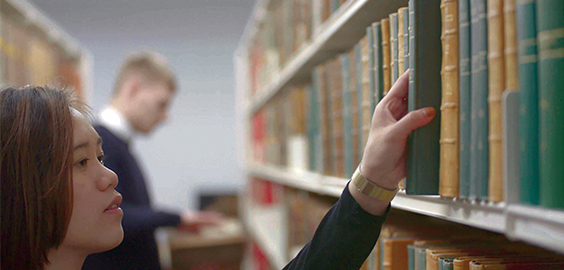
460 153
405 243
305 212
287 26
28 57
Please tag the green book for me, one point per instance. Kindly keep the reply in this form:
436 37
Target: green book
394 46
371 78
358 69
310 107
405 40
347 113
528 103
334 5
314 127
550 37
446 263
411 257
378 72
465 95
479 101
424 91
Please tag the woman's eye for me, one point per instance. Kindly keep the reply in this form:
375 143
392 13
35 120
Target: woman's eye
83 162
101 158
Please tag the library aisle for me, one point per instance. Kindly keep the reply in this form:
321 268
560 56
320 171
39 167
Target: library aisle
310 74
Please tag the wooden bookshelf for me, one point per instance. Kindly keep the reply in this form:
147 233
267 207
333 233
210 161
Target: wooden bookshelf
534 225
60 44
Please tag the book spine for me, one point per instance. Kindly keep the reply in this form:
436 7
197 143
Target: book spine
312 122
325 120
394 47
528 103
347 125
353 89
423 149
405 12
510 42
371 79
465 96
401 65
496 74
449 157
366 93
338 121
386 56
358 69
479 107
378 75
550 36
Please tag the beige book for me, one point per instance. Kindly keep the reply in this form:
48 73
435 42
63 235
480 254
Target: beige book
386 55
449 151
401 31
496 80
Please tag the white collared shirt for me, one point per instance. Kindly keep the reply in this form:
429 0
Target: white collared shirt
114 121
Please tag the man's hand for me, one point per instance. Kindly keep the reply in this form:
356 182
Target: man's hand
384 158
193 221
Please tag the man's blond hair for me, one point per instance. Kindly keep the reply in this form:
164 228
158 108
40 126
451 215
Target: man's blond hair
149 66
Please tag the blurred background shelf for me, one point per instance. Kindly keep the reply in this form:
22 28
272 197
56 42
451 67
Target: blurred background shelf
340 32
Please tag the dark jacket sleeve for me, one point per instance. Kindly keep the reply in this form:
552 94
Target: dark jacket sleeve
138 214
344 238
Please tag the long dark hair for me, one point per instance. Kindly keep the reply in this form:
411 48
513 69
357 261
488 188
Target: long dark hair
36 139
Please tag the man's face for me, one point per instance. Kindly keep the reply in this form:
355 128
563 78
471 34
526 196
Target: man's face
150 105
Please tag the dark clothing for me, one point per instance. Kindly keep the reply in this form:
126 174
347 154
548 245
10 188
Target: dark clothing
138 249
344 238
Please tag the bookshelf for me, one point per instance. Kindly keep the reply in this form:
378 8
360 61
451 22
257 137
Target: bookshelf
69 63
534 225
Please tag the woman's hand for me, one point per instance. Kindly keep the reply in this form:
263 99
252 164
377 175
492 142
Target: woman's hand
384 158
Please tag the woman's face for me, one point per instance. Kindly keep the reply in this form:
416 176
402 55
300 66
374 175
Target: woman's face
95 223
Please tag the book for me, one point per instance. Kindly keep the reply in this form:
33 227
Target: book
395 253
496 75
464 96
320 81
355 108
449 149
528 103
401 30
394 47
367 95
446 263
378 72
347 114
550 37
424 91
369 71
479 107
510 43
313 132
358 70
405 39
386 56
336 111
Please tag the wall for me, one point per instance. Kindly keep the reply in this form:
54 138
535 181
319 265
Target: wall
195 150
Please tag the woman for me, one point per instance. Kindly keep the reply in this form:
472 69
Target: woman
59 202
